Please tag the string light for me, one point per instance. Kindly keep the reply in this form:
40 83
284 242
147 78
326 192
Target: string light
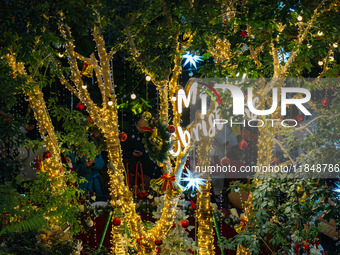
84 86
133 96
335 45
148 78
309 46
320 33
299 18
320 63
110 103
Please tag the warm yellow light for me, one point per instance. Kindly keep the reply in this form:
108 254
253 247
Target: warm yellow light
133 96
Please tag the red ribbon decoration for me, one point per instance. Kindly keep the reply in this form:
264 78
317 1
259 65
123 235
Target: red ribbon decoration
147 129
192 203
244 221
167 178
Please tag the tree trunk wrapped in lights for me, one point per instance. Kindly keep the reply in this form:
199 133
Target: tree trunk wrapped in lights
53 163
106 119
222 52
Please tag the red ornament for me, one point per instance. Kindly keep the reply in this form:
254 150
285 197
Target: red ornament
158 250
89 119
243 145
145 194
225 161
325 101
172 129
80 106
141 195
276 161
122 136
184 223
244 34
334 87
173 225
158 241
300 117
116 221
191 251
46 154
94 135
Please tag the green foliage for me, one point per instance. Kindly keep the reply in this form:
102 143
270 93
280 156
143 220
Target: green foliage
79 134
157 142
286 211
29 243
41 204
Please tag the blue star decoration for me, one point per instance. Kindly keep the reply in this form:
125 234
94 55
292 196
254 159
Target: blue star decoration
191 59
194 180
337 189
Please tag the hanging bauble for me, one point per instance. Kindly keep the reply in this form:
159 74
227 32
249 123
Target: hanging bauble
158 250
172 129
80 106
325 101
46 154
300 117
116 221
276 161
225 161
94 135
237 189
299 190
146 116
184 223
243 145
89 222
158 241
122 136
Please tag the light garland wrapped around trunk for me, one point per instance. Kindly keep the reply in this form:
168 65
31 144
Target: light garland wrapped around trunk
106 119
204 211
53 163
